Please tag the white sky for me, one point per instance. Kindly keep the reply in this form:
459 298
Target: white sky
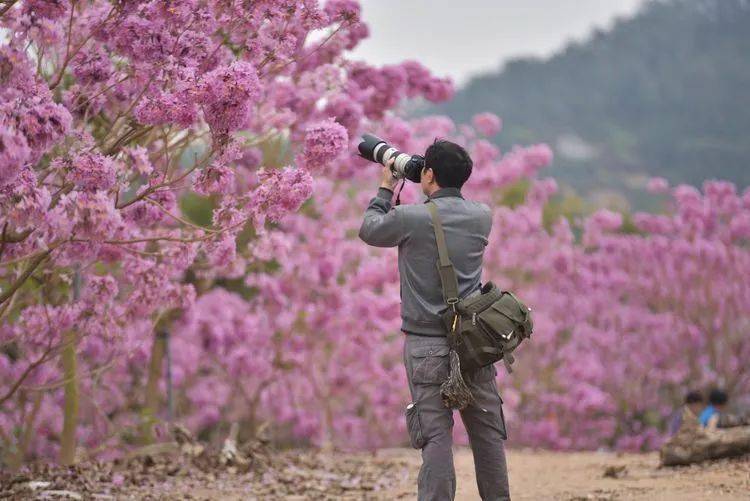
459 38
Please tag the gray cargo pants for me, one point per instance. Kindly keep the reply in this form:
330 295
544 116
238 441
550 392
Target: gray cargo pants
430 423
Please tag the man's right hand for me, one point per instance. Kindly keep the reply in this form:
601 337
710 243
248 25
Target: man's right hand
388 180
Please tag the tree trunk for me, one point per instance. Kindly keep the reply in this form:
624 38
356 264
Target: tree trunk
151 403
693 444
70 412
70 377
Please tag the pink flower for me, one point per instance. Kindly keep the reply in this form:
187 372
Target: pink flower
226 94
92 171
139 160
324 141
27 107
14 153
346 111
606 219
488 124
600 222
222 252
92 64
281 191
343 10
50 9
421 82
657 185
23 203
216 178
251 158
167 107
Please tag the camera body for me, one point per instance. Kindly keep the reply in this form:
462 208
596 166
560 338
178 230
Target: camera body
404 166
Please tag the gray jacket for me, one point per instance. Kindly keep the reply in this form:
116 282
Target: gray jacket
467 225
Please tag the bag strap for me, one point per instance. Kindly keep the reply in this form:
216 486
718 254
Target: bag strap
448 279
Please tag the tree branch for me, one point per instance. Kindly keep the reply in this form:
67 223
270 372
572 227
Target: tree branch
33 264
7 7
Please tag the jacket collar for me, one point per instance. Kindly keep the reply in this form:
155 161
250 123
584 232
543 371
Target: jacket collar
445 192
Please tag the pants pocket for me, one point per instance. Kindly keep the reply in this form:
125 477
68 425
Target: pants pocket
501 424
431 364
413 426
494 409
500 415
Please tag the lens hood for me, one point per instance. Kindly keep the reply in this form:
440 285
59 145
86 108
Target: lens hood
367 146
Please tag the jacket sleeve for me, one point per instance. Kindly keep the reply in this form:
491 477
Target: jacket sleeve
487 224
382 227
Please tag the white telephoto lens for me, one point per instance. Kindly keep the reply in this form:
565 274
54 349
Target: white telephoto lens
388 154
400 163
379 147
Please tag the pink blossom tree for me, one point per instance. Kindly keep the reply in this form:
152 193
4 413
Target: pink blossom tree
627 318
187 168
112 114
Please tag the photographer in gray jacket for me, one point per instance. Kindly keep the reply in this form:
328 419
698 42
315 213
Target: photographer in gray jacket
447 166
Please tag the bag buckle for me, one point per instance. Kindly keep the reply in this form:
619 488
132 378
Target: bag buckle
452 302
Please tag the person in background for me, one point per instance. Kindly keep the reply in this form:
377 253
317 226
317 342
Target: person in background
693 403
717 402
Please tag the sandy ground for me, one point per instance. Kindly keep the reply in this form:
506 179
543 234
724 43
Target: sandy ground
537 475
581 476
389 474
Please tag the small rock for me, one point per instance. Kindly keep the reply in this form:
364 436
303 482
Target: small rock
35 485
59 494
614 472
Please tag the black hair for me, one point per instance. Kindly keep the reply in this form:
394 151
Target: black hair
718 397
694 397
449 162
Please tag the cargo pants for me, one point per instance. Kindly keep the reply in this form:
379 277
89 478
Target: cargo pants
430 423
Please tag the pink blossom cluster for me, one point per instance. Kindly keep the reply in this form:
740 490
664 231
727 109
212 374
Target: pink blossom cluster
488 124
279 193
324 141
626 322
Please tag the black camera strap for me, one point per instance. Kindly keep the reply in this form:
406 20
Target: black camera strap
398 195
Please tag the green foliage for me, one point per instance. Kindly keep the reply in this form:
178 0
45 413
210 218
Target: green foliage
515 194
197 209
277 151
628 226
570 206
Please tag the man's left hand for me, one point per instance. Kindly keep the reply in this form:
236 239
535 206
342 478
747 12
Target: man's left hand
388 181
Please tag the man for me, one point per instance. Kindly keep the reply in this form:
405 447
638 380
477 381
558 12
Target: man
467 225
693 404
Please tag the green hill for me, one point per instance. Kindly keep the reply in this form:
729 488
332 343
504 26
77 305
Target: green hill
666 92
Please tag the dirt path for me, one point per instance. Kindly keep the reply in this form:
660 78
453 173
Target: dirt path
581 476
387 475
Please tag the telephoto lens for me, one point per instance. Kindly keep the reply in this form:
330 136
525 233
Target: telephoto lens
404 166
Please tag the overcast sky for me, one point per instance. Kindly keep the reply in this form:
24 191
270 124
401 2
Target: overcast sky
459 38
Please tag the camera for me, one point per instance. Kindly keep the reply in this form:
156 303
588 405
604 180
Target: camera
404 166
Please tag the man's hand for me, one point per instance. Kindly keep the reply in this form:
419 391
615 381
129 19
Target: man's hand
388 181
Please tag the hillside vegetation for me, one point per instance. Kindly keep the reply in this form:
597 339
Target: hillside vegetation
666 92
